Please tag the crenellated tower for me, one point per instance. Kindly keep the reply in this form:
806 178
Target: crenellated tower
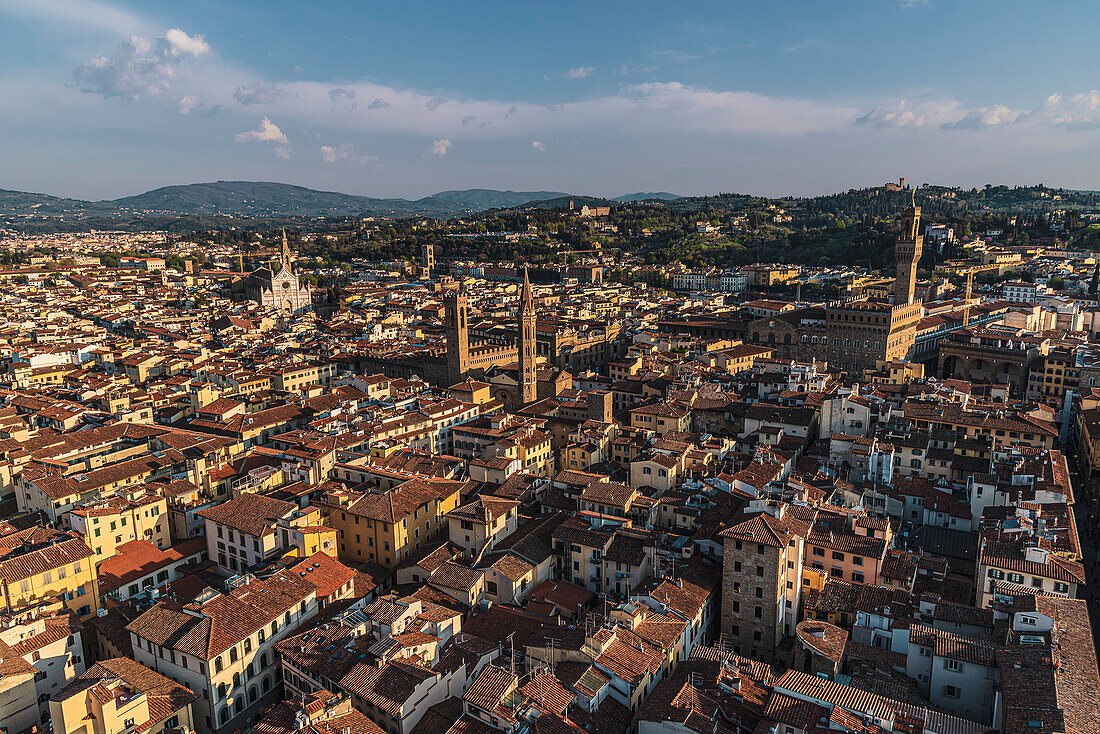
907 254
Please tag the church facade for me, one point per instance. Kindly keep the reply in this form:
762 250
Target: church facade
276 286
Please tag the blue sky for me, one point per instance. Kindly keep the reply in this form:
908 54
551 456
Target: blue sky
104 99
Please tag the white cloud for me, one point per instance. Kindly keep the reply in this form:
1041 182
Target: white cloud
1079 111
909 113
636 69
181 44
190 105
652 107
267 132
139 67
538 146
345 152
440 147
259 93
984 117
580 72
282 152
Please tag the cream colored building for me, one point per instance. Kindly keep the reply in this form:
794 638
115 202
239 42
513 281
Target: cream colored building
108 523
222 645
119 696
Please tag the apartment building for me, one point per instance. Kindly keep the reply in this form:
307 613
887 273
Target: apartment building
110 522
478 526
49 565
252 529
385 527
121 696
222 645
1007 567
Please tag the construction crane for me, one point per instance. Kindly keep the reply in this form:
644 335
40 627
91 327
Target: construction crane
970 286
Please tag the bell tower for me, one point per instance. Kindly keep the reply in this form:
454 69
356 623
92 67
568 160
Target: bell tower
528 370
286 252
907 254
427 260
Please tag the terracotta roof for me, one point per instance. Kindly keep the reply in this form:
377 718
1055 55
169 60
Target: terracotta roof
165 697
63 551
254 514
763 529
208 629
325 572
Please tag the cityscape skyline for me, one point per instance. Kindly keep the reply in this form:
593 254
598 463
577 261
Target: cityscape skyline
116 98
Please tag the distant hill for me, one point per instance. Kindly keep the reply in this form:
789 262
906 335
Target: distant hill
480 199
261 198
221 203
563 202
251 199
646 196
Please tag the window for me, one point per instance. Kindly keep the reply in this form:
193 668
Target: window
951 691
953 665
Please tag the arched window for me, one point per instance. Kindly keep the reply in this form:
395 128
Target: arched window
218 664
221 691
265 684
252 694
236 679
263 660
223 716
233 655
786 338
238 705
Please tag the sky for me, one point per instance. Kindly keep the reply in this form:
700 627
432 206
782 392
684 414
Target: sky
101 99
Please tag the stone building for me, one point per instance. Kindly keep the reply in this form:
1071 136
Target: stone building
276 286
853 335
760 556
